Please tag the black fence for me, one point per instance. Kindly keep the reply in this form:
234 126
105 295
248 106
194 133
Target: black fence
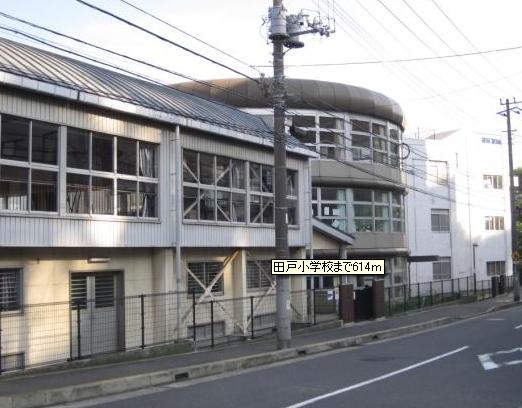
41 334
403 298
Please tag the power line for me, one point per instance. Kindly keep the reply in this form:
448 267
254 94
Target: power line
188 34
401 60
164 39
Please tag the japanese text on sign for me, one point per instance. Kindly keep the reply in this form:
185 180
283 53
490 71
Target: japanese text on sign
327 267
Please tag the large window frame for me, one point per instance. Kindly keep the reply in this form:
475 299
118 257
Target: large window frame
206 272
249 184
493 181
10 289
494 223
28 166
110 192
442 269
495 268
440 220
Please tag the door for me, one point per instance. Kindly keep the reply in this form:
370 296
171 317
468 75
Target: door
95 312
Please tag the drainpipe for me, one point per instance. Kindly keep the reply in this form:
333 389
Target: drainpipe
178 211
308 199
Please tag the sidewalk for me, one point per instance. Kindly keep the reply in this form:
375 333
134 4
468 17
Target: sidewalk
32 390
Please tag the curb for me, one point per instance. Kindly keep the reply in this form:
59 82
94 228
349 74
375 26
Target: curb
104 388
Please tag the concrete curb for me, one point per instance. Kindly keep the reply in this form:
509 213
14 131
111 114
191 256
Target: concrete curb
79 392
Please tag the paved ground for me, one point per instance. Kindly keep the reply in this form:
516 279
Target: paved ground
17 385
437 368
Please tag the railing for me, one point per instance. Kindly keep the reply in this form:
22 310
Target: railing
403 298
41 334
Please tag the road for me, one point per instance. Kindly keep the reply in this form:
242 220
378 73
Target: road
476 363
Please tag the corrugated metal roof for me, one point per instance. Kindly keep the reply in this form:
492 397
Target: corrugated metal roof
40 65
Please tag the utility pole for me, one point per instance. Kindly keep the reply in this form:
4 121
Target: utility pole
284 32
279 36
512 107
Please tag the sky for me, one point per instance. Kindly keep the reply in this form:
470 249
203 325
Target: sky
435 95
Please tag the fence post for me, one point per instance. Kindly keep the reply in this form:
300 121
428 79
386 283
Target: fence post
315 317
458 287
442 291
405 306
482 291
211 323
475 284
389 301
142 311
251 317
467 286
194 315
431 293
452 289
78 330
419 299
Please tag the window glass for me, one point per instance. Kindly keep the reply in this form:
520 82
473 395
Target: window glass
332 194
362 210
43 190
378 129
362 195
292 212
127 197
206 169
77 148
382 211
44 143
380 196
190 166
255 177
126 156
13 188
147 160
223 171
190 203
237 210
255 209
303 121
291 184
330 122
223 205
15 138
237 170
77 194
382 226
363 225
361 140
206 204
268 210
10 289
148 200
267 179
102 152
102 195
360 125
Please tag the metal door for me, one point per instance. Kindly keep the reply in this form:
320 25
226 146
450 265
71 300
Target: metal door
94 314
363 304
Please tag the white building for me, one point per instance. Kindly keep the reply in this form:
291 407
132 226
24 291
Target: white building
458 206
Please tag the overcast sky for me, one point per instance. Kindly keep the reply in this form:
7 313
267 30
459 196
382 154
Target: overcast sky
435 95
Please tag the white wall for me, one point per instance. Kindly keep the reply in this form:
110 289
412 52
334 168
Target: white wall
467 159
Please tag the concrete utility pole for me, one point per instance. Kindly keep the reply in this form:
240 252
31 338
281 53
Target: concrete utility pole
513 106
284 32
278 37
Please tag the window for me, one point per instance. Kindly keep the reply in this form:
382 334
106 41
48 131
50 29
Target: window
10 289
495 268
442 269
215 189
494 223
33 145
259 274
331 204
440 220
493 182
437 173
205 272
131 188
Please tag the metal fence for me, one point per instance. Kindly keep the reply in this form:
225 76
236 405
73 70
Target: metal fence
413 296
41 334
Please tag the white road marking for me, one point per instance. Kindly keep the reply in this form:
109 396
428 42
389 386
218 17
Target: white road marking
488 363
373 380
518 327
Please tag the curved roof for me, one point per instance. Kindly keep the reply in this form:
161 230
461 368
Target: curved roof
302 94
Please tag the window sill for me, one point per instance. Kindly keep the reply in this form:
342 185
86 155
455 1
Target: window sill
233 224
85 217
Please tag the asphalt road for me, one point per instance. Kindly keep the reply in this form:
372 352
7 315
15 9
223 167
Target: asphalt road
454 366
